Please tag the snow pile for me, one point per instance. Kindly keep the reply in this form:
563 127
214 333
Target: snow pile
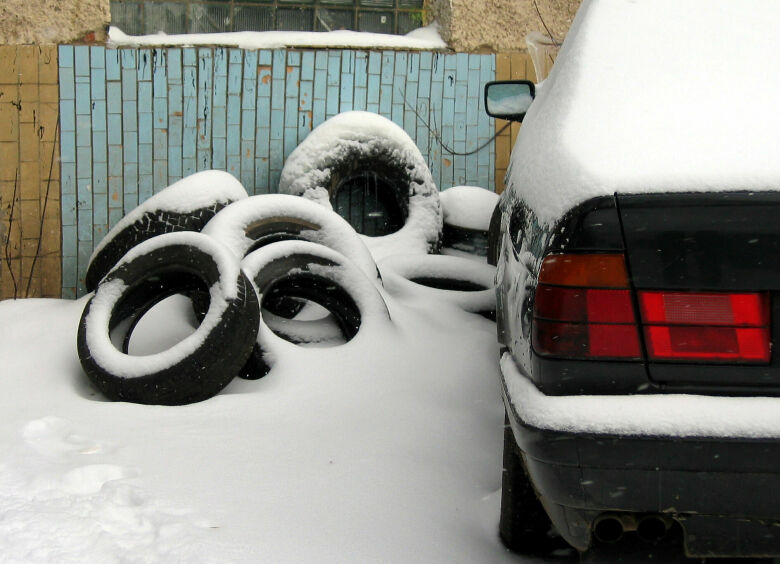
354 135
666 415
63 500
69 492
386 449
638 102
425 38
469 207
400 273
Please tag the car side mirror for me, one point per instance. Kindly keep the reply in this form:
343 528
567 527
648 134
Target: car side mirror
509 99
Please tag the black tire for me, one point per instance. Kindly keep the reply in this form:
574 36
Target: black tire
467 213
471 241
465 282
197 367
309 271
186 205
524 527
323 331
354 145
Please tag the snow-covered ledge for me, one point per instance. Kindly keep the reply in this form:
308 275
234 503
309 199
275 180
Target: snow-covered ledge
425 38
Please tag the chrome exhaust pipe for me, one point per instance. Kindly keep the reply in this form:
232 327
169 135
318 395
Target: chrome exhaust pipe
608 528
653 528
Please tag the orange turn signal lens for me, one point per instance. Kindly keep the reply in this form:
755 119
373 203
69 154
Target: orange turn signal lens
586 270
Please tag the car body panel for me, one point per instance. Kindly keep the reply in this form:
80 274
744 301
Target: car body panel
719 489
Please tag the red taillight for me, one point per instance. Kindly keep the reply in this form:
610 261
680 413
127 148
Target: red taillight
706 326
583 308
704 308
595 270
586 340
584 304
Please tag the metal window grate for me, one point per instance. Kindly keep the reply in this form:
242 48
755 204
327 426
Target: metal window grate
137 17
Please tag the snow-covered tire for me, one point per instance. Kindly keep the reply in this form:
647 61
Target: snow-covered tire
306 270
467 213
197 367
355 142
254 222
185 205
322 332
466 282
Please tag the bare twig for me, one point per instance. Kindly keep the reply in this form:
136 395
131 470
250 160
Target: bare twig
8 238
43 211
439 139
538 13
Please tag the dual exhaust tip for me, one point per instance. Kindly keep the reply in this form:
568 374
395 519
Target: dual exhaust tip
610 527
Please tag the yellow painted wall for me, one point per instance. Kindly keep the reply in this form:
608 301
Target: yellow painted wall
30 232
512 66
509 66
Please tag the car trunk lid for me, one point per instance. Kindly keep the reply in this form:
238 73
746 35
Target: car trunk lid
713 245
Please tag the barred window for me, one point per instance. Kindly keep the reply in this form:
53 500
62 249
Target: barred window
140 17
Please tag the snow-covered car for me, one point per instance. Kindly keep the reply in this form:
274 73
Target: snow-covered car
638 282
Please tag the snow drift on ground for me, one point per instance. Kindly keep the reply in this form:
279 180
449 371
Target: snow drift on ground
638 101
388 450
422 38
401 271
468 206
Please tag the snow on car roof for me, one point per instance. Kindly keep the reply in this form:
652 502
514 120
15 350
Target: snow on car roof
654 96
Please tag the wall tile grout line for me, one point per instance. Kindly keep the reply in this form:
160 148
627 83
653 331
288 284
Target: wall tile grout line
136 120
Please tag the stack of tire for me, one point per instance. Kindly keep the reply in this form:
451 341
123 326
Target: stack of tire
250 264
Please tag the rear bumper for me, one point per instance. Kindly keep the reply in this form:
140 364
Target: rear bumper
724 490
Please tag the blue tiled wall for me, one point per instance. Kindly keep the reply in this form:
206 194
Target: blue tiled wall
135 120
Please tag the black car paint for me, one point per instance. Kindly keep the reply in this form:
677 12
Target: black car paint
723 492
667 247
662 232
716 241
